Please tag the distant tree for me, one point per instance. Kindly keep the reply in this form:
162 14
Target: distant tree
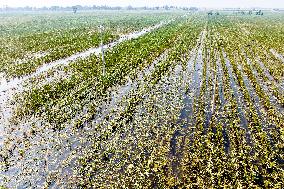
129 7
117 8
259 13
75 9
54 8
193 9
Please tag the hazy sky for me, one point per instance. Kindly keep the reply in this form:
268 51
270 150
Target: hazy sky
198 3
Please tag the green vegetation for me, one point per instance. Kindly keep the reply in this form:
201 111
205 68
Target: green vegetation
37 39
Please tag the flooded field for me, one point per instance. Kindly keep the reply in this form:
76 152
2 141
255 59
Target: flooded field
183 99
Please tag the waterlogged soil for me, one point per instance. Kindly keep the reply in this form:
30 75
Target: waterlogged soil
270 77
34 153
210 93
49 72
237 94
192 78
260 110
41 155
221 112
137 125
149 124
266 89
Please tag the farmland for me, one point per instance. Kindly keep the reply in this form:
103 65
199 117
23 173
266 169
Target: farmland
184 99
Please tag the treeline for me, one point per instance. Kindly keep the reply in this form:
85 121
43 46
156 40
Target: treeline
79 7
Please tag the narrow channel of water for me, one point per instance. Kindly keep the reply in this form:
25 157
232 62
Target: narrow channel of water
237 94
210 95
220 118
265 125
269 76
194 71
238 97
277 55
273 100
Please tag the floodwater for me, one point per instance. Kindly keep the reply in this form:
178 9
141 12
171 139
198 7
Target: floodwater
9 87
47 163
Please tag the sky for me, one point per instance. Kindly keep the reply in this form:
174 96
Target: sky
150 3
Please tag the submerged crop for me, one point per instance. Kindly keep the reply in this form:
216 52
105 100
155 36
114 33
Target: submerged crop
197 102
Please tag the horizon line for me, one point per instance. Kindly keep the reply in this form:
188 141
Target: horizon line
66 6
